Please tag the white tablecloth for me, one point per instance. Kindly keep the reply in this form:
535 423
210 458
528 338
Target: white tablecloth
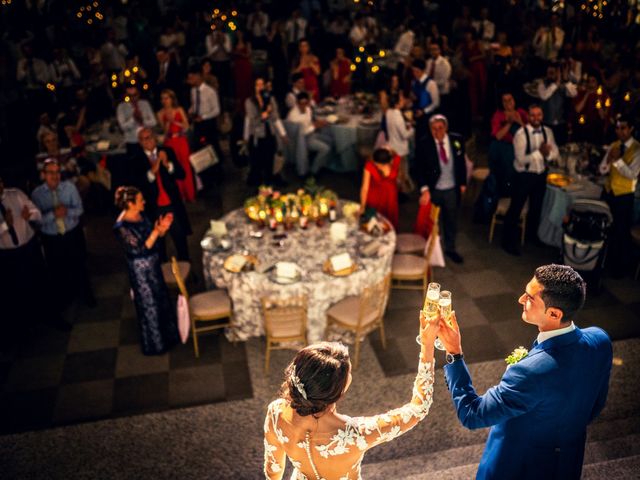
309 249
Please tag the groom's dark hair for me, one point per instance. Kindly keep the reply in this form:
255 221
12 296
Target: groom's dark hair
562 288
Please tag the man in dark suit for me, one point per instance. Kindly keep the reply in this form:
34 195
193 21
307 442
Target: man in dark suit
441 172
168 74
540 410
155 171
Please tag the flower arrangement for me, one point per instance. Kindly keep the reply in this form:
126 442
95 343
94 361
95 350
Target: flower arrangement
517 355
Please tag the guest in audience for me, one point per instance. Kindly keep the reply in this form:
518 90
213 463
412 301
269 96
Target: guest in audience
553 91
316 139
548 41
206 69
484 28
504 124
340 75
315 381
169 75
591 112
219 46
204 111
155 173
621 164
242 69
474 61
379 187
398 134
62 237
308 65
262 126
297 86
175 124
132 114
139 237
439 69
257 26
441 172
534 146
295 30
425 95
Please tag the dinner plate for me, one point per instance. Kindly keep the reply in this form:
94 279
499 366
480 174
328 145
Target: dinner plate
326 268
273 276
558 179
235 264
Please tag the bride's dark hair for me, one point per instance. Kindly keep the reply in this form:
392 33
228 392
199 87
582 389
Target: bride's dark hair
318 372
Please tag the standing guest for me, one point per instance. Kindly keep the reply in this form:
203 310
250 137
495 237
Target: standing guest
295 30
277 53
358 33
436 37
534 145
261 126
308 65
553 91
133 113
204 111
485 28
62 236
155 174
404 44
206 69
379 187
218 45
504 124
169 75
591 113
425 95
257 26
242 75
139 237
398 133
340 75
439 68
621 164
297 86
474 61
441 172
540 410
548 41
175 124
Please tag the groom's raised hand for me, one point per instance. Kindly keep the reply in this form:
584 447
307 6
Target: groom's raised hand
449 335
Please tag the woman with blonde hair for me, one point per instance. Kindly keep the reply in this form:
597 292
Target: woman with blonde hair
175 124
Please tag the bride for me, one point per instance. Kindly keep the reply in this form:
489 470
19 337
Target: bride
321 443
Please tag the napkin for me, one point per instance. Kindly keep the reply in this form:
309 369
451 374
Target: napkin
218 229
237 262
338 232
341 261
286 270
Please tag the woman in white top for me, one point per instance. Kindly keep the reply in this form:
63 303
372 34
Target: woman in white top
398 134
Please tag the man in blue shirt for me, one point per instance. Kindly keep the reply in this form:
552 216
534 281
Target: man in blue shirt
62 236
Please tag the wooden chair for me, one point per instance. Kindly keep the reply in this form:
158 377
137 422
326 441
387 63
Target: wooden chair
209 306
167 272
416 268
285 324
362 314
501 211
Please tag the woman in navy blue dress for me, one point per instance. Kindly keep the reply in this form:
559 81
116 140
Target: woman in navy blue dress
155 310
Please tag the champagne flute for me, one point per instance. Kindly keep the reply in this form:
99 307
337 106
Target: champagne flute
431 307
444 303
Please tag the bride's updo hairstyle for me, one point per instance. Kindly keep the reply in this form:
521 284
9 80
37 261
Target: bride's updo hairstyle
124 196
316 377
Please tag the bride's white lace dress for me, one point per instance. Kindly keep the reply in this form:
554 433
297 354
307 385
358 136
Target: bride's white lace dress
338 455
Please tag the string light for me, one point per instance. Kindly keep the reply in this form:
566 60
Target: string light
595 8
6 2
369 59
226 17
90 12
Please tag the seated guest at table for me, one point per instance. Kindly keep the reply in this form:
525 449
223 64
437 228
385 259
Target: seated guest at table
340 75
133 113
139 237
62 237
262 125
504 124
308 65
534 145
317 141
297 86
441 173
425 96
155 173
379 187
23 276
173 120
204 111
621 164
553 92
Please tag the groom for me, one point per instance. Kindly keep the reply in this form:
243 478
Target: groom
539 411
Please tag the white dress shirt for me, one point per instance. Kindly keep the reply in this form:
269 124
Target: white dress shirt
630 171
404 44
447 179
152 155
398 134
487 32
441 73
545 92
533 162
304 119
129 125
209 106
258 23
295 29
213 49
15 200
542 336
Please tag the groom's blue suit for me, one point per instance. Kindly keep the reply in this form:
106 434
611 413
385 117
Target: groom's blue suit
540 409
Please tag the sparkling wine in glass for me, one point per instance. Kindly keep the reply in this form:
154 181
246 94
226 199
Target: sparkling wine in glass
431 307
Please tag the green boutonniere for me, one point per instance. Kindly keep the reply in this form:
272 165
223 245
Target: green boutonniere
457 145
517 355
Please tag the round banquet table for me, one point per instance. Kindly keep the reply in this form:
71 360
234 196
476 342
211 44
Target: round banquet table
308 248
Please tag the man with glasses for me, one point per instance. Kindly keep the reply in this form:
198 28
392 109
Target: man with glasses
62 236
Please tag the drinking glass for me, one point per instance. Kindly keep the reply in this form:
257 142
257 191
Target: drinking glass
431 307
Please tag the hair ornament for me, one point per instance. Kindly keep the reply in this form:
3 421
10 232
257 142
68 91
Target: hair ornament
298 384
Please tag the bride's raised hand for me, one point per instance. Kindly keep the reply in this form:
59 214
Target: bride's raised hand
429 328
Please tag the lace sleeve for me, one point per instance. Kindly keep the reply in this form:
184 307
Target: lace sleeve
133 244
274 454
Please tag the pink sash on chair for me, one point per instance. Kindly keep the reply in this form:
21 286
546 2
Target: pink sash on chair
184 322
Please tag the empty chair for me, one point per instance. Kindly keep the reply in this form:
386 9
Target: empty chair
285 324
410 243
207 307
501 211
362 314
167 272
413 272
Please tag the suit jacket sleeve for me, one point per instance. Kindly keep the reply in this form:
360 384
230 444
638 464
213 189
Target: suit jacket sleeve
513 396
603 390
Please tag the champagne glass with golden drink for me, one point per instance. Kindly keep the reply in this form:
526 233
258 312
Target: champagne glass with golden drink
444 302
431 307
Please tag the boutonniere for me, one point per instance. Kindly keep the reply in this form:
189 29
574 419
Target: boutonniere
517 355
456 144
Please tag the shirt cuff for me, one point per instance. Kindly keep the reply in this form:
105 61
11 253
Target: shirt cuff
619 164
170 168
151 176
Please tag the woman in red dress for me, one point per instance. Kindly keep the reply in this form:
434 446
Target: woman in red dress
175 124
242 71
340 75
309 66
380 185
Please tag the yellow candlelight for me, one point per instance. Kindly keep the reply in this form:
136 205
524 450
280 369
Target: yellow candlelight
581 120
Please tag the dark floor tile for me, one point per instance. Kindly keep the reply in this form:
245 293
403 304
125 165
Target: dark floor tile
145 393
129 331
402 322
391 359
237 381
231 352
34 373
499 308
89 366
43 340
107 309
23 411
84 401
132 362
619 321
401 299
515 333
481 343
86 337
183 355
196 385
